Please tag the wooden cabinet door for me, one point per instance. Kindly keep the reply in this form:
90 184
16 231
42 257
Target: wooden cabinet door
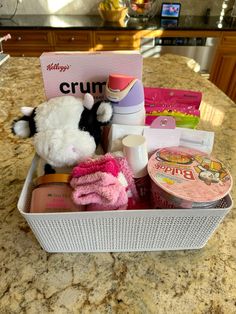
225 78
28 42
115 40
231 92
224 68
72 40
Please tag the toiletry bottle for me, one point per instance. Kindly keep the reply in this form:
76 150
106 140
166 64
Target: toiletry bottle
135 151
126 94
53 194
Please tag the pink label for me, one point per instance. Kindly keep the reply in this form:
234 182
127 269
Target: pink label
53 198
189 174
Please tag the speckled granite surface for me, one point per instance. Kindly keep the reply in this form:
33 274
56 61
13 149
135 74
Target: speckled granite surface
33 281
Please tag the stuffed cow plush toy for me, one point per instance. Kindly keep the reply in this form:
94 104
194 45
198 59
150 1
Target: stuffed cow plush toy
65 129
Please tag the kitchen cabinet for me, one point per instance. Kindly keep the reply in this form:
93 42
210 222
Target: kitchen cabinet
223 73
116 40
28 43
34 42
72 40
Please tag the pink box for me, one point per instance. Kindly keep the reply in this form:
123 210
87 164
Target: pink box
159 100
76 73
186 101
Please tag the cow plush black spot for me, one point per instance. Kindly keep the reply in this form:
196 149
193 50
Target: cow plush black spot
65 130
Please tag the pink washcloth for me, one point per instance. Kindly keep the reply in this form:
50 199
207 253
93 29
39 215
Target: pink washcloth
99 188
106 163
99 178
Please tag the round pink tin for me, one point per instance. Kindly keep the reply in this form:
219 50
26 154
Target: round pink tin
187 178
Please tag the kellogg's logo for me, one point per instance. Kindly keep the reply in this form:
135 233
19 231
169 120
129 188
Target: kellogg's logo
57 67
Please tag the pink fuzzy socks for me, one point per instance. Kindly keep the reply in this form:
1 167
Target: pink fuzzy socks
103 183
106 163
99 188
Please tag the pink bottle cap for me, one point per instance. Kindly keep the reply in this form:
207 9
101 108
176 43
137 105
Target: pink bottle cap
119 81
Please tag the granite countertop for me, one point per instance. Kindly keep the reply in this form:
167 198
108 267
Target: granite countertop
94 22
33 281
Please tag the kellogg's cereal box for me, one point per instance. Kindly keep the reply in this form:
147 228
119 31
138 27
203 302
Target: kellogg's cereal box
77 73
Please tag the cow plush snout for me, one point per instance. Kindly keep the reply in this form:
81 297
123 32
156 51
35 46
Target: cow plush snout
64 148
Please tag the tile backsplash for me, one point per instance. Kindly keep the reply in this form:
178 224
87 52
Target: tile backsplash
81 7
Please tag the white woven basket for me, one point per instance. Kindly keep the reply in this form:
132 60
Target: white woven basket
121 231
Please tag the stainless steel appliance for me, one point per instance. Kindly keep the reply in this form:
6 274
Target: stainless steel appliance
201 49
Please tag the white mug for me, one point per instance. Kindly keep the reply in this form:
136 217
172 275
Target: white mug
135 151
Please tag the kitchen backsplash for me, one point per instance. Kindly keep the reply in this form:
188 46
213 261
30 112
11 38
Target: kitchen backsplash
81 7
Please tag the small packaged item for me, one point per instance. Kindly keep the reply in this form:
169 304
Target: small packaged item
187 178
53 194
180 104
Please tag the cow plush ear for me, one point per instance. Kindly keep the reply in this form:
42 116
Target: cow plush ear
25 126
21 128
104 112
88 101
27 111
